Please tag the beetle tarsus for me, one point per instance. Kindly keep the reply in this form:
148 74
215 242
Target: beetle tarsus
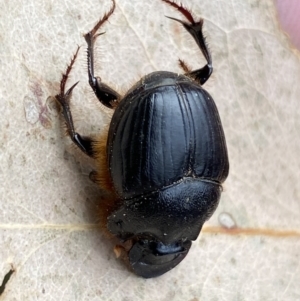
85 144
66 74
106 95
195 29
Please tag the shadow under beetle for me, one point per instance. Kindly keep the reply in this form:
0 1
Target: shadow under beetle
164 158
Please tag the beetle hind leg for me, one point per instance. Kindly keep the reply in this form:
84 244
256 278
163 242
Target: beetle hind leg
106 95
195 29
84 143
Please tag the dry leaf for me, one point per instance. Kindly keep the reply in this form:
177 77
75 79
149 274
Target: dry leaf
49 231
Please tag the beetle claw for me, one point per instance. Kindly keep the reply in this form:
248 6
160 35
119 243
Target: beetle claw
69 92
178 20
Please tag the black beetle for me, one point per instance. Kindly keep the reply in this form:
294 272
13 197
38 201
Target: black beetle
164 158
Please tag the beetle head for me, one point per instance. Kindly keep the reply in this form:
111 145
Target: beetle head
151 258
161 225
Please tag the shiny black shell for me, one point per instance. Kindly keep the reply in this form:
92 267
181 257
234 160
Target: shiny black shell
167 158
167 127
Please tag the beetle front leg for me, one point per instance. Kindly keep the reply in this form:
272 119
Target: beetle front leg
106 95
84 143
195 29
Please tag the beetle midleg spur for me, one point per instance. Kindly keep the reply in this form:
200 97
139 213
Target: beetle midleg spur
195 29
84 143
105 94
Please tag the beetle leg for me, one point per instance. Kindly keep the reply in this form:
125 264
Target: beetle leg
195 29
106 95
84 143
184 66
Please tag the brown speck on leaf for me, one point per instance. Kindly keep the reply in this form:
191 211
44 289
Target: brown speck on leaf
38 103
